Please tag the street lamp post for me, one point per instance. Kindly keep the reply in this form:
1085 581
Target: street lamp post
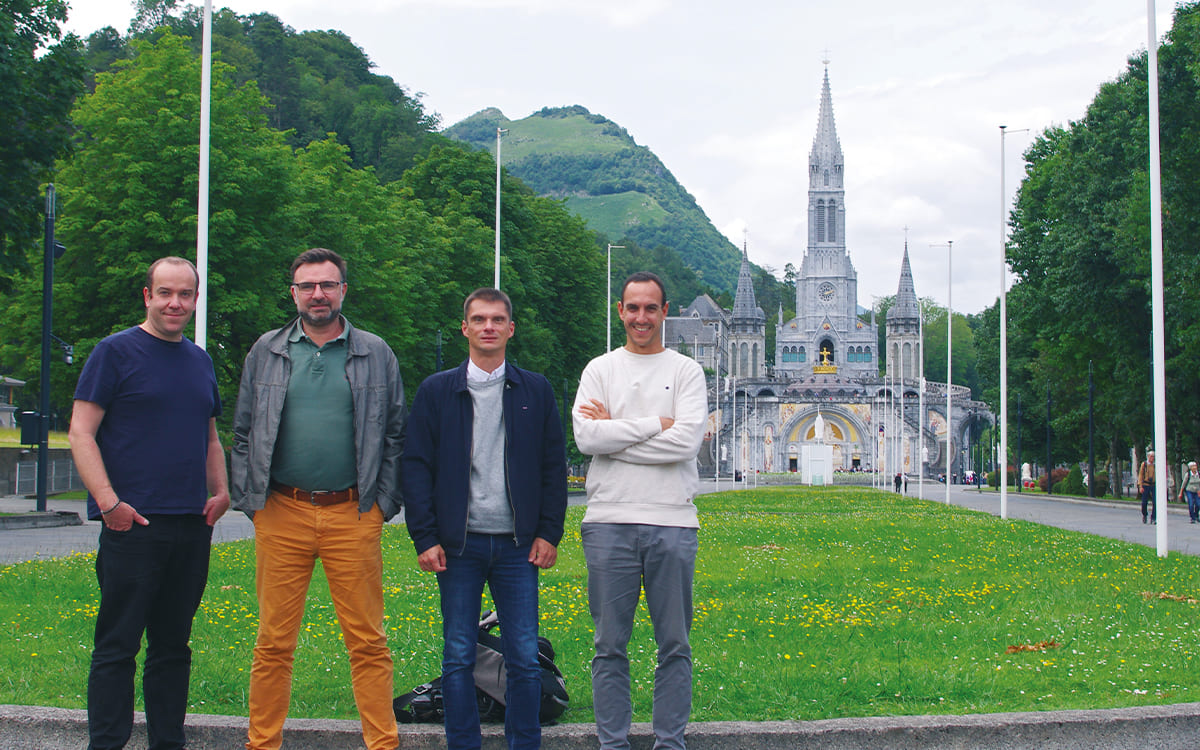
1018 478
949 349
1004 327
608 301
1049 455
51 251
923 453
499 132
1091 434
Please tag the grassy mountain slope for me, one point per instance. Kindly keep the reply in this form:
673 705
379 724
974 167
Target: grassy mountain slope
620 188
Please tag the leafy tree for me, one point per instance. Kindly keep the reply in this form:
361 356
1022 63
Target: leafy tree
129 197
318 82
150 14
963 368
1080 248
41 72
551 265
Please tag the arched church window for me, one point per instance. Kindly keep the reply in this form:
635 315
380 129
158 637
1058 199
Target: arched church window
820 221
744 366
754 361
867 352
826 350
832 211
826 178
803 356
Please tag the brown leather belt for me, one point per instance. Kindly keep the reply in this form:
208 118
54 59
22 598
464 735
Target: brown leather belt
317 497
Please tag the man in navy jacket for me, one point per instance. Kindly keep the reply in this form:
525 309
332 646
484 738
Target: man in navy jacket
485 488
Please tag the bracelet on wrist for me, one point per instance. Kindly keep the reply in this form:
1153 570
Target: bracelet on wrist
110 510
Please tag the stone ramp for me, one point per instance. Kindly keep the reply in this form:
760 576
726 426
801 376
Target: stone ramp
1160 727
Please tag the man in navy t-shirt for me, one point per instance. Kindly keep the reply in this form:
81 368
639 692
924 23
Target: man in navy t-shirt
144 438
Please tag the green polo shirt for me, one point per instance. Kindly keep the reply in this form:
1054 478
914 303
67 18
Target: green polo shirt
315 446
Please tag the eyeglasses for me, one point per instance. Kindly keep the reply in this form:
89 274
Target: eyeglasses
308 287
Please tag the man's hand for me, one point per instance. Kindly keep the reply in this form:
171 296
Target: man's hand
216 507
432 560
122 517
594 410
542 553
666 423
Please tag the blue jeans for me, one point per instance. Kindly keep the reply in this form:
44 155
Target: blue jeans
1193 501
494 559
622 561
151 579
1149 500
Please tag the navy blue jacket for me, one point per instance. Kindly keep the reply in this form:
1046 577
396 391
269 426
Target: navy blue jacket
436 468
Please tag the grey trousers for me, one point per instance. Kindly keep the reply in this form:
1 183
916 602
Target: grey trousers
622 559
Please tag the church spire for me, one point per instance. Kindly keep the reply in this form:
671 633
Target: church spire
744 304
906 306
826 160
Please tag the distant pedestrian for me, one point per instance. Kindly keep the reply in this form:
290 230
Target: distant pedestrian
1191 491
1145 479
896 481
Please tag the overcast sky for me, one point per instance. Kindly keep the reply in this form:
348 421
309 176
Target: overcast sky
726 94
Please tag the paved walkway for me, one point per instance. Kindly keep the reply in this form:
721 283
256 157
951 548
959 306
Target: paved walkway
1117 520
20 545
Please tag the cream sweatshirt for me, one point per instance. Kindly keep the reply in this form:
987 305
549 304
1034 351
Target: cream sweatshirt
641 473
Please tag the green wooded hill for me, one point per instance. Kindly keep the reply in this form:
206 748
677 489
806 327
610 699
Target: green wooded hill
620 188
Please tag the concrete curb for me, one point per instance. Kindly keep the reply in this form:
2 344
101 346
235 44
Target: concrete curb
1162 727
40 520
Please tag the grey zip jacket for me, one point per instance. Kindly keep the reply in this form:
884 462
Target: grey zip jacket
379 418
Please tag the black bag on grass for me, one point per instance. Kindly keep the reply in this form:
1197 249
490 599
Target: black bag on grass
424 702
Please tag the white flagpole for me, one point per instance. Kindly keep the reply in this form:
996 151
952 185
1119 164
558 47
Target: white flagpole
202 203
1156 288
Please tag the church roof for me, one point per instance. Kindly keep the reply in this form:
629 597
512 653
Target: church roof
906 306
744 304
704 307
826 148
690 331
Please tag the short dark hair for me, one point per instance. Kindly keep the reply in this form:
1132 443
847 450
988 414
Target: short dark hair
640 276
319 255
171 259
487 294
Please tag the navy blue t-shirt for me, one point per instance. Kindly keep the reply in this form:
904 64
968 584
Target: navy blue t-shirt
158 397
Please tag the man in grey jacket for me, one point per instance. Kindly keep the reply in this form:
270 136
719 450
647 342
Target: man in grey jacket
317 438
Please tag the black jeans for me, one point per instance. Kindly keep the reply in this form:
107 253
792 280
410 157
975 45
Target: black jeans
151 580
1149 499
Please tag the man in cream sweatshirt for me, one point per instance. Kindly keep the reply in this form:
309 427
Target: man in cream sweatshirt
640 413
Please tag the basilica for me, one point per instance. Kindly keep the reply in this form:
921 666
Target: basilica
826 373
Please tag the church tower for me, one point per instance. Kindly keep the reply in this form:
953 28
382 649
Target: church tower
747 339
904 356
826 336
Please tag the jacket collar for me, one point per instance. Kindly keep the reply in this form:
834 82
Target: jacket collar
355 346
512 374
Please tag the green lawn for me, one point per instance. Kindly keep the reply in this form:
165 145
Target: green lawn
11 437
810 603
